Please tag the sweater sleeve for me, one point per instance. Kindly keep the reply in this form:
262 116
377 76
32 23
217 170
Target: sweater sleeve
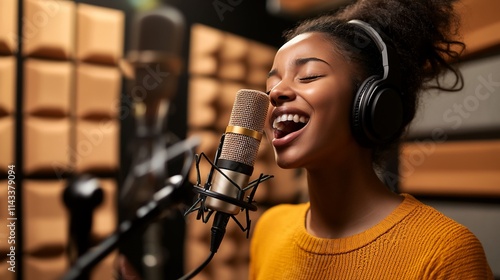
461 257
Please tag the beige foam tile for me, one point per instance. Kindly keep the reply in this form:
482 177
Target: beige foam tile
105 216
100 34
8 26
234 47
5 274
97 91
196 252
5 243
7 84
48 29
209 142
45 268
48 87
46 145
203 94
257 77
205 65
45 217
221 271
232 70
205 40
260 55
453 168
7 143
97 145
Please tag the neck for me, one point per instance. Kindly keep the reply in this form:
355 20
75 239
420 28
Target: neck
347 199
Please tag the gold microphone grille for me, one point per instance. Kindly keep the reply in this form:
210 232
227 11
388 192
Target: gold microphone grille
249 111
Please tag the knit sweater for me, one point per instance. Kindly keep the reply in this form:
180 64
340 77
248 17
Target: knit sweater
414 242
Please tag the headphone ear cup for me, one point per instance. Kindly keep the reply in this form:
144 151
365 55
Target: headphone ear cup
377 114
358 111
384 114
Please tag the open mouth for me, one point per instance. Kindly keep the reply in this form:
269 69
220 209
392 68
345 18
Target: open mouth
288 123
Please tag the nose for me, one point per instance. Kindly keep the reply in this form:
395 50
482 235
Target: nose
281 93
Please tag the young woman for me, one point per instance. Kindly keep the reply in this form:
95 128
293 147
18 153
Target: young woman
343 89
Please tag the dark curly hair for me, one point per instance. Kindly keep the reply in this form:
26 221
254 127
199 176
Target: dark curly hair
424 34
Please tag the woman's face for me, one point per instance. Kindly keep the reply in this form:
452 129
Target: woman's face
311 91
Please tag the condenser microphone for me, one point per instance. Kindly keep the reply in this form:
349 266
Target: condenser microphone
225 190
155 56
239 149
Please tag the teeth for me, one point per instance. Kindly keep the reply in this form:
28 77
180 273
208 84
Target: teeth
289 117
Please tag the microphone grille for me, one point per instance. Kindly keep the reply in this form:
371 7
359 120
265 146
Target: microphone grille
160 30
249 111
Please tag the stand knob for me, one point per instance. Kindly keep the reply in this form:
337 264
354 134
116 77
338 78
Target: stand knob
81 196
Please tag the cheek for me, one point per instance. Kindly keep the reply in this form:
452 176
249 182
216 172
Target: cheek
335 110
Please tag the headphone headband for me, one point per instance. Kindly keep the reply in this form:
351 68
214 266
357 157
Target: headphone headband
377 40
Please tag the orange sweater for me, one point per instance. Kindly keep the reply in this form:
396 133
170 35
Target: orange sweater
413 242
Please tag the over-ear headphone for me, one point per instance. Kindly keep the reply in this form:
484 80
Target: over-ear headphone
377 113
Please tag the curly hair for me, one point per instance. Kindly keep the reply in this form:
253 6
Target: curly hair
424 34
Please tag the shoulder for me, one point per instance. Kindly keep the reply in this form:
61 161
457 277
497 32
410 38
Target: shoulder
455 250
451 233
432 222
438 223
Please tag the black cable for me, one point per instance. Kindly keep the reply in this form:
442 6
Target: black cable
198 269
218 230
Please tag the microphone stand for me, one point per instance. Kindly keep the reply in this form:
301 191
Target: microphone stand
157 67
163 199
166 198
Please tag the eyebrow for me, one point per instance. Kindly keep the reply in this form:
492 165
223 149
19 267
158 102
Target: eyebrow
298 62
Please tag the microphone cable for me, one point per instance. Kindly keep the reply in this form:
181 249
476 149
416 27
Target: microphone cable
218 231
197 270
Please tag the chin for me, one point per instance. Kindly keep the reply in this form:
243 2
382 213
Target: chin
291 157
286 163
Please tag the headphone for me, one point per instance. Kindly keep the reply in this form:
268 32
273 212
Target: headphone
377 113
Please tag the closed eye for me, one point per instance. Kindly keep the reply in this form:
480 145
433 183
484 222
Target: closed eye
310 78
